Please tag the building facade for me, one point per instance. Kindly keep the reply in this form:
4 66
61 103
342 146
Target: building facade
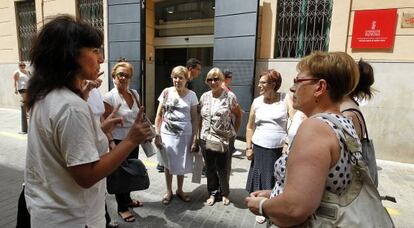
246 37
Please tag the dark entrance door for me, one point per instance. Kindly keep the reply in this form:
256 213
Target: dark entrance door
167 59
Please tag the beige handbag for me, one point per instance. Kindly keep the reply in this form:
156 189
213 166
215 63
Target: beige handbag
359 206
215 143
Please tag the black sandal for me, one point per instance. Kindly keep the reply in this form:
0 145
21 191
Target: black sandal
135 203
130 218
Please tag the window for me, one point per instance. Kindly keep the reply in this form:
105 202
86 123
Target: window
26 27
91 11
302 27
184 18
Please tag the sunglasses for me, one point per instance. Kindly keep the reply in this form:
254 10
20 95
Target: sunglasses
213 79
123 75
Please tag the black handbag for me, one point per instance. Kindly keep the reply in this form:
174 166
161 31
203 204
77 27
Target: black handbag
130 176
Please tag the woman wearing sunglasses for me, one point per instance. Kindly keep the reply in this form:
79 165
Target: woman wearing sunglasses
128 100
216 109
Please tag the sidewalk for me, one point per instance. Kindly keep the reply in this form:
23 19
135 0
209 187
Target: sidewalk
396 179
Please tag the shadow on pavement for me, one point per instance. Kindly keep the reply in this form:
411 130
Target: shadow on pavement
10 187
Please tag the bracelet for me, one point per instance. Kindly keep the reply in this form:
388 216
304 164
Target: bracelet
261 211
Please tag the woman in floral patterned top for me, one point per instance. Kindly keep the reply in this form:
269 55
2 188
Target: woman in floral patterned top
318 160
216 108
176 125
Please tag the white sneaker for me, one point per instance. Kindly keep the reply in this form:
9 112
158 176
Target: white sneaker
237 153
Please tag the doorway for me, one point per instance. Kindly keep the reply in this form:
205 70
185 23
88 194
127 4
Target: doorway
168 58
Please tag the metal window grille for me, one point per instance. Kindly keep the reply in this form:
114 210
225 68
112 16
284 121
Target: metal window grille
26 27
91 11
302 27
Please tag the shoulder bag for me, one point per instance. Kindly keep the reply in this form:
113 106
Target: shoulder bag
147 146
214 142
360 205
144 117
368 151
162 156
130 176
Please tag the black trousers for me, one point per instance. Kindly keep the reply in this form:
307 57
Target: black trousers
217 171
23 115
123 199
23 216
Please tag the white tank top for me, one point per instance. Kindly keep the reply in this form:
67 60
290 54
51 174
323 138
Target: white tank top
270 121
294 124
22 81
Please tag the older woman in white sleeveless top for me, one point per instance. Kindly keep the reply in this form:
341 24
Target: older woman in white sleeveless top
265 132
21 78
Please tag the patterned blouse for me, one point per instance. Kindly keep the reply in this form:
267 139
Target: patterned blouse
177 111
339 177
216 112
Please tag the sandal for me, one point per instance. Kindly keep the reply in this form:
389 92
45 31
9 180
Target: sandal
260 219
167 199
182 196
226 201
128 218
112 224
135 203
210 201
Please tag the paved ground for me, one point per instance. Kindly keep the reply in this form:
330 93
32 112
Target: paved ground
396 179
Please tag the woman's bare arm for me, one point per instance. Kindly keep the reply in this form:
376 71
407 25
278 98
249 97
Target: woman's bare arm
309 162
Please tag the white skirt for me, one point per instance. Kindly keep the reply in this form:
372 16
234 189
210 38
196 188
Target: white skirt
178 150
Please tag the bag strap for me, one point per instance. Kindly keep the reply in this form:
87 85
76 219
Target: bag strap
359 114
135 96
164 98
139 105
345 134
211 113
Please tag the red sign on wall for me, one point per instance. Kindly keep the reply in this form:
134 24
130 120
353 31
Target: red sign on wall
374 28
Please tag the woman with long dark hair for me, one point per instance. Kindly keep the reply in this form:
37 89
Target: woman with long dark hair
67 159
350 108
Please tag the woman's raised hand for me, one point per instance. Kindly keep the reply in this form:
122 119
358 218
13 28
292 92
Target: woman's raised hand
140 130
